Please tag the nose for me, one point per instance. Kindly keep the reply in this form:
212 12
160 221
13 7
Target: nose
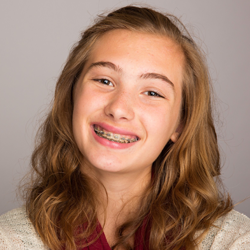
120 106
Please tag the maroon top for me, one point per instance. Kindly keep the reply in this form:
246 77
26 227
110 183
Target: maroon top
141 239
141 242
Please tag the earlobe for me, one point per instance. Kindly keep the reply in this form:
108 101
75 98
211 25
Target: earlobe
174 136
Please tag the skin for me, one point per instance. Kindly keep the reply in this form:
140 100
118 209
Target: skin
125 97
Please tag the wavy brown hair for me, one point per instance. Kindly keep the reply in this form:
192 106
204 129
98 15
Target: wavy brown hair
183 198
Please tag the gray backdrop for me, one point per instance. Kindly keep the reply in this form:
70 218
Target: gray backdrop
36 37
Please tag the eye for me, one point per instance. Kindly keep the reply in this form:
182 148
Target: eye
104 81
153 93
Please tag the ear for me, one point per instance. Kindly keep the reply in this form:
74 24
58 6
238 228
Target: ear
174 137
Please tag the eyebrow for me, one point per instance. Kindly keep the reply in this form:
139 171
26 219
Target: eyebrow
143 76
157 76
105 64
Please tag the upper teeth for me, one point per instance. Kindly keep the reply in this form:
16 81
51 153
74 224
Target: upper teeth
114 137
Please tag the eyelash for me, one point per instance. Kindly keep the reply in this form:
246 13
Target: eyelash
104 81
155 94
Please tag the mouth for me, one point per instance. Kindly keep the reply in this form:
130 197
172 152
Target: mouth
119 138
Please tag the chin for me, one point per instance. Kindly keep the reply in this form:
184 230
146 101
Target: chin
104 164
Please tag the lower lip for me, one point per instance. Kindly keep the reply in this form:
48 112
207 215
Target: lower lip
111 144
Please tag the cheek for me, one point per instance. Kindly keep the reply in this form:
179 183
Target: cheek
82 107
161 128
161 124
87 102
157 118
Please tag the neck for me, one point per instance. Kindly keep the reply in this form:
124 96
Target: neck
123 190
122 187
121 201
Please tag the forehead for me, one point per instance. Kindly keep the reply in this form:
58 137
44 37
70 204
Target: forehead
140 41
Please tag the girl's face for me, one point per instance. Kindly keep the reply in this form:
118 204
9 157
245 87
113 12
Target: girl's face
127 101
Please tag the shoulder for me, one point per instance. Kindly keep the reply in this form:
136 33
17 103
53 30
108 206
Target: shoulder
230 232
17 232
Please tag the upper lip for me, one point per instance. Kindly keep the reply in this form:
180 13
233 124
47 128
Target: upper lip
115 130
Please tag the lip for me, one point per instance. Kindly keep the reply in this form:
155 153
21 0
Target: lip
115 130
112 144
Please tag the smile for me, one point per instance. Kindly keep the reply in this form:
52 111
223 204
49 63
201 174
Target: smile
114 137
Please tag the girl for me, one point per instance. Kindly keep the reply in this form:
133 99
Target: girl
128 156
